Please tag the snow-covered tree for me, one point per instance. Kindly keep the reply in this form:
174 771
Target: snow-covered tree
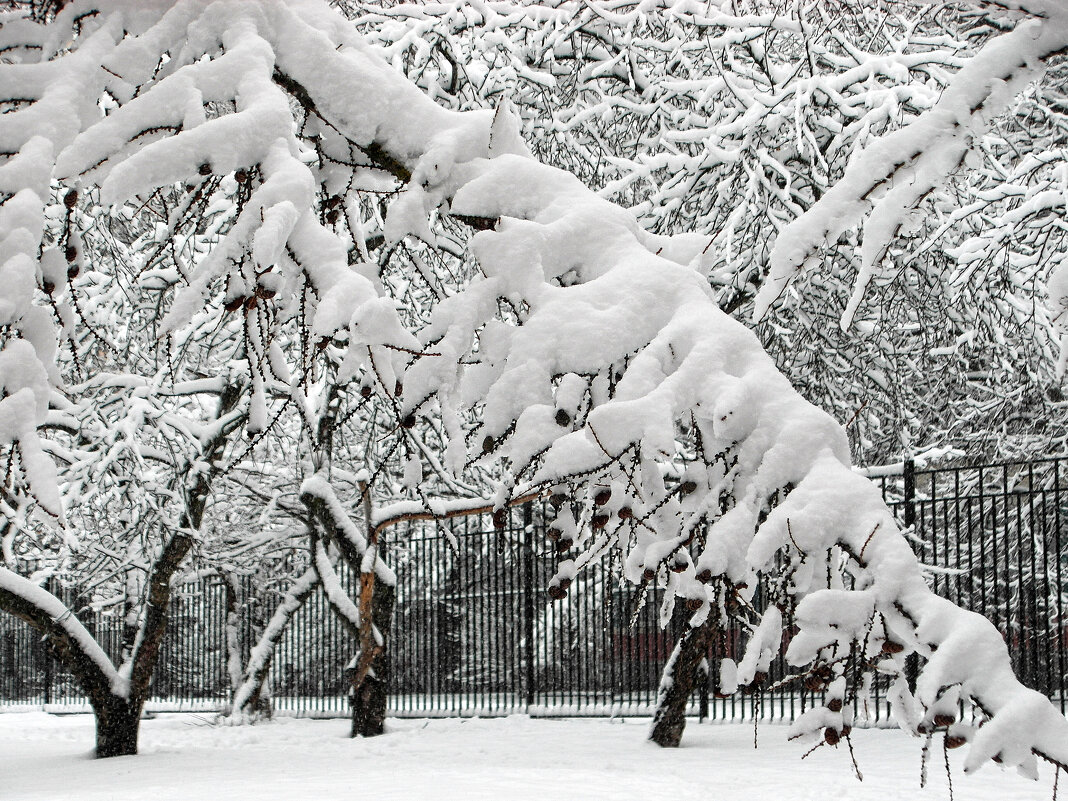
731 120
584 358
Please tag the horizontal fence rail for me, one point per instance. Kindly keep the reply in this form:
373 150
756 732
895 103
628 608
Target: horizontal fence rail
474 632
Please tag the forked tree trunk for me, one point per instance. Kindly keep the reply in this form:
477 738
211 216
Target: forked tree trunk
117 724
677 684
370 695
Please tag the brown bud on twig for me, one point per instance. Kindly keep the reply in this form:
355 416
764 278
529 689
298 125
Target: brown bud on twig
71 253
693 604
648 574
597 522
686 487
48 287
553 533
557 593
73 270
679 565
830 735
398 389
487 444
332 216
835 705
233 304
705 576
241 176
70 200
408 422
891 647
563 419
625 513
365 391
954 742
602 497
563 545
204 169
500 518
943 720
557 499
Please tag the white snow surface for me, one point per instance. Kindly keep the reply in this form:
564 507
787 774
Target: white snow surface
182 756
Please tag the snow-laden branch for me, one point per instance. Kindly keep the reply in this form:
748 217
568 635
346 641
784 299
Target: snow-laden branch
50 616
893 174
771 474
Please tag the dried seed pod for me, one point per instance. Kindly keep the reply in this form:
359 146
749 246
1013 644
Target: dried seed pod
204 169
250 301
234 303
891 647
835 705
554 533
830 735
557 499
648 574
487 444
408 422
625 513
846 729
557 593
943 720
70 253
398 389
563 419
825 672
73 270
565 583
322 343
332 216
241 176
954 742
705 576
602 497
500 518
693 604
563 545
679 565
48 287
686 487
997 758
365 391
597 522
70 200
759 678
265 293
813 682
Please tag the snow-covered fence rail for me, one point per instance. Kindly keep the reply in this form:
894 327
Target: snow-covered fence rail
475 633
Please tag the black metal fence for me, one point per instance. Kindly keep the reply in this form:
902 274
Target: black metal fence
475 633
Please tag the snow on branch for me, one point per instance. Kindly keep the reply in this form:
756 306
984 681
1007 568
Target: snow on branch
890 177
604 389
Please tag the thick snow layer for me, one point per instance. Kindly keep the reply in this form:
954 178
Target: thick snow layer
183 756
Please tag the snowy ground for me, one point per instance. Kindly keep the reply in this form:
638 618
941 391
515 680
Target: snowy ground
183 756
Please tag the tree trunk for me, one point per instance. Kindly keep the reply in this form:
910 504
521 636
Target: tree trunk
117 725
369 697
677 685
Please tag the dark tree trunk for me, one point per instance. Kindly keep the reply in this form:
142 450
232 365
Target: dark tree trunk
370 696
677 685
117 725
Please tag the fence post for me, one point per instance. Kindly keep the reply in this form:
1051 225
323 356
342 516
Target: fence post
912 661
528 602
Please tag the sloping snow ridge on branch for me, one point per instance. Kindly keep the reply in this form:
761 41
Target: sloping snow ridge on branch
652 350
887 181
